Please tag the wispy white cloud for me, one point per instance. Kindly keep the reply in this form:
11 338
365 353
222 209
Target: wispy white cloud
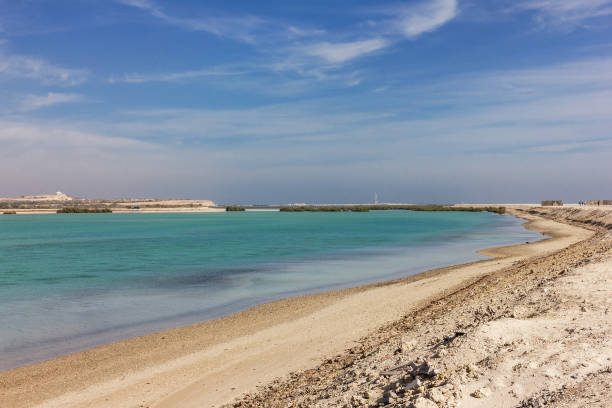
297 75
19 66
407 21
33 102
291 48
572 12
415 19
136 78
241 28
344 51
304 32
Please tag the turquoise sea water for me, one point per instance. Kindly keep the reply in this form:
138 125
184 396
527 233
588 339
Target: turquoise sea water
72 281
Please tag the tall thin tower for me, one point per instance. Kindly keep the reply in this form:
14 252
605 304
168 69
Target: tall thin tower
375 198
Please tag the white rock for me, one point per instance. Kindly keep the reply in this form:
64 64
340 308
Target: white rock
407 344
481 393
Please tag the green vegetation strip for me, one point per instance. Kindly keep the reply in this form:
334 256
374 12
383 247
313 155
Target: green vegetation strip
366 208
77 210
234 208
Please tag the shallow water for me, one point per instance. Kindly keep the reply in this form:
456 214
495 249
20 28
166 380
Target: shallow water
73 281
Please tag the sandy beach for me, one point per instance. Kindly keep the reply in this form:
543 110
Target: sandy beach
321 338
324 204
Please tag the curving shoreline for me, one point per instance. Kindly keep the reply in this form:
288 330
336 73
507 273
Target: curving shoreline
532 334
212 362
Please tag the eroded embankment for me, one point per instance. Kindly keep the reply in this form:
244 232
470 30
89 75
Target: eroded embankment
537 332
586 217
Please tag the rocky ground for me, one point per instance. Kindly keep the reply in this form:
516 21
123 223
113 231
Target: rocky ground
538 333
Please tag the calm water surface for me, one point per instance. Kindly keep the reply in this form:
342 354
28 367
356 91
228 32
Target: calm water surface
73 281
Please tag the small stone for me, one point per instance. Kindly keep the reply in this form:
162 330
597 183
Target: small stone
583 309
481 393
406 345
423 369
413 384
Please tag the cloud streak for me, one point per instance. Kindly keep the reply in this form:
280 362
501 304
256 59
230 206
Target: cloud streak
33 102
426 16
18 66
180 76
338 53
240 28
572 12
289 46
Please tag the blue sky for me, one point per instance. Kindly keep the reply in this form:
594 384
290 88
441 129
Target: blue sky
307 101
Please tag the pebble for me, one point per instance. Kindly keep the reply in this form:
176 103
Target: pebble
406 345
413 384
481 393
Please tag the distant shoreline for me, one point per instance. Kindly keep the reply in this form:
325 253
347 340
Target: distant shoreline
121 210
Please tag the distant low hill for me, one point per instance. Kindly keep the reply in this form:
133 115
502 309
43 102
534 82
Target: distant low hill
59 196
60 200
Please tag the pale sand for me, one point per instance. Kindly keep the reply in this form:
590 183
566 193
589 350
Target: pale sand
211 363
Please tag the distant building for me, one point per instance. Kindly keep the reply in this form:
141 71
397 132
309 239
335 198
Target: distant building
552 203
